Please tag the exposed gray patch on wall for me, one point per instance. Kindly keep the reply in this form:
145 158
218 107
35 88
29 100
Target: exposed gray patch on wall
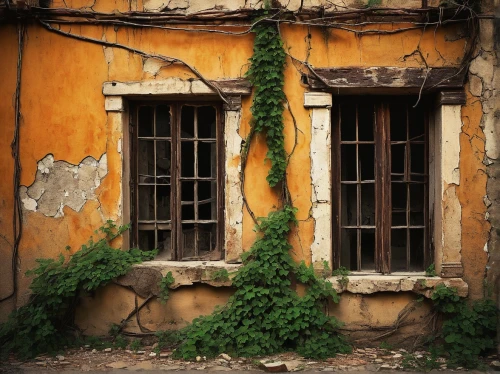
59 183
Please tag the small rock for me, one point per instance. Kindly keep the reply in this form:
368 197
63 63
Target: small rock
64 363
201 368
94 350
154 346
397 355
87 345
328 369
360 350
218 368
152 354
311 363
419 356
117 365
385 366
225 356
164 354
379 360
402 350
459 368
145 365
107 350
85 367
140 352
42 363
274 367
495 364
198 358
60 358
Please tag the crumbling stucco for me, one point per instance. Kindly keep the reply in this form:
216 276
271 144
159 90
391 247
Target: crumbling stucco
58 184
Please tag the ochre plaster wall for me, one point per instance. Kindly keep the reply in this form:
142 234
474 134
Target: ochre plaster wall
63 115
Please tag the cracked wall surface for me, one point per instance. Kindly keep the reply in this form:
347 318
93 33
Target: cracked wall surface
58 184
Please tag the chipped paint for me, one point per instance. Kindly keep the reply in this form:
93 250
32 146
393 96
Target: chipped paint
58 184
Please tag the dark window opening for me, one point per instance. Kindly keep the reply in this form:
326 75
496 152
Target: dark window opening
380 184
176 179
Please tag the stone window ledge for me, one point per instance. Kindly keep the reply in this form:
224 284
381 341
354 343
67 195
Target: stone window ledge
365 283
144 279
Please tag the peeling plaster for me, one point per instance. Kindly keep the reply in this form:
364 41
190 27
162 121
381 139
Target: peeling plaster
58 184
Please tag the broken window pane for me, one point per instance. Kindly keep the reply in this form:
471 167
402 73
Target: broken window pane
207 238
163 155
206 160
349 245
188 240
187 191
367 204
398 122
348 122
207 122
417 237
163 202
187 159
367 249
348 162
146 161
146 203
365 122
367 162
163 121
349 205
145 121
164 245
398 250
187 211
146 240
187 122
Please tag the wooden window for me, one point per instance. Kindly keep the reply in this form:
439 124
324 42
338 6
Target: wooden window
380 184
176 186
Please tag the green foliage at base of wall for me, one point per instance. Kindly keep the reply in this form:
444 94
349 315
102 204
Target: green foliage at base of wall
266 75
45 322
469 329
265 315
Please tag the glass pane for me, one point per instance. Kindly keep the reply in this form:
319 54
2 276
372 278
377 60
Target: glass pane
398 250
417 249
365 122
207 116
163 121
146 203
367 161
163 152
188 240
398 121
146 240
207 238
145 161
163 202
349 246
368 204
187 122
398 196
187 191
417 204
187 212
145 120
348 122
207 191
187 159
164 245
418 158
206 160
397 159
348 205
398 218
348 162
417 123
368 249
205 211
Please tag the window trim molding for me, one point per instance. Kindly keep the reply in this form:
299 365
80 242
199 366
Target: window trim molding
444 168
116 105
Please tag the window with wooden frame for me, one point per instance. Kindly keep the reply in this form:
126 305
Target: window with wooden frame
176 179
380 184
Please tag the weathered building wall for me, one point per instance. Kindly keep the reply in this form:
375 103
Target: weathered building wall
71 151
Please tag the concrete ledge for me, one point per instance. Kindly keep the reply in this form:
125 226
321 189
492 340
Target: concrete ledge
145 278
420 284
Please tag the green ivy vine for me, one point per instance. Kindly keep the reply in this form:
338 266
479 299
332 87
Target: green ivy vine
45 323
265 315
266 74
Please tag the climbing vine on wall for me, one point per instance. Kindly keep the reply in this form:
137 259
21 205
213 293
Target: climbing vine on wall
266 75
265 315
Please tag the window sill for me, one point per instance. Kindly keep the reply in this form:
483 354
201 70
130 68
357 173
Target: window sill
369 283
144 279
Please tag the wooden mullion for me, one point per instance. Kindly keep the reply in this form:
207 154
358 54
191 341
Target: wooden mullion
382 189
175 183
336 187
427 248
